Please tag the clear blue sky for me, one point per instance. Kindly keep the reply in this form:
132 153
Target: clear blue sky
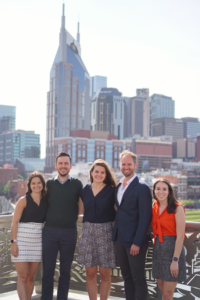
153 44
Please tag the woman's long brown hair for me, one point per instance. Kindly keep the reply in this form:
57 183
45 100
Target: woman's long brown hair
171 199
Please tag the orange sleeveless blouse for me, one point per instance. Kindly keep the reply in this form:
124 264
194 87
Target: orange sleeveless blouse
163 224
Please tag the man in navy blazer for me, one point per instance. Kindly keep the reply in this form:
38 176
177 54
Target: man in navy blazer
130 235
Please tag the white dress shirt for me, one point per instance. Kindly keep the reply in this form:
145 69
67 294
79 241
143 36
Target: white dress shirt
122 189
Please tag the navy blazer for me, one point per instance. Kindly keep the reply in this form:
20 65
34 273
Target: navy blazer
133 214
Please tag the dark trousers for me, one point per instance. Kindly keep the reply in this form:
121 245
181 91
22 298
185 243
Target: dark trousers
132 268
54 240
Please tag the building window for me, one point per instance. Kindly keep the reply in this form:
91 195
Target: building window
115 110
115 154
121 111
74 109
68 83
102 154
79 153
97 154
74 96
74 123
56 122
83 153
69 72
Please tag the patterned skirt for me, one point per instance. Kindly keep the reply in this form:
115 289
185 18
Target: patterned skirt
162 259
29 242
96 247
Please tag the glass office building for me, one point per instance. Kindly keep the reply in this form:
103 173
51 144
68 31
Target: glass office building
107 112
68 100
7 118
191 127
96 83
18 144
161 106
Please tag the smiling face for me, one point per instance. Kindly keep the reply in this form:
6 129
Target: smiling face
128 166
98 174
63 166
161 191
36 185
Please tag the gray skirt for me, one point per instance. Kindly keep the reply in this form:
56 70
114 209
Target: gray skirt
29 242
162 259
95 246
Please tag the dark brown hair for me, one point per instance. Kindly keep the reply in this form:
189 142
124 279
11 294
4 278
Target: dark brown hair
34 175
60 154
172 202
110 178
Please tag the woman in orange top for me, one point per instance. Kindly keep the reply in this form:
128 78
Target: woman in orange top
168 222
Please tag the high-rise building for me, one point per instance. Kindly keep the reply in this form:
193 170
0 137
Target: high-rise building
168 126
96 83
137 114
68 100
7 118
107 112
18 144
160 106
191 127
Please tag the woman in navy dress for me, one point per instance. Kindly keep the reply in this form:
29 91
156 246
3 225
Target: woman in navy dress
96 248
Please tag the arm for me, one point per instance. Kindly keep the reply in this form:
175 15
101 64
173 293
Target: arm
80 207
145 215
21 204
180 231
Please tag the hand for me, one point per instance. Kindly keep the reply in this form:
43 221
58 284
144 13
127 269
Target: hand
134 250
174 268
14 249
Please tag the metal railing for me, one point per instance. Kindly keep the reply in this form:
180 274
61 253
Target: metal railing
184 291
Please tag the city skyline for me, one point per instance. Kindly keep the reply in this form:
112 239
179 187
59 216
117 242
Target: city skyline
159 40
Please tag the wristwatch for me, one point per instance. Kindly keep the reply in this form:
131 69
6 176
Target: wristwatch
13 241
175 258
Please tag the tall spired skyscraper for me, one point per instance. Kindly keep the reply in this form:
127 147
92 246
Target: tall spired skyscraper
68 100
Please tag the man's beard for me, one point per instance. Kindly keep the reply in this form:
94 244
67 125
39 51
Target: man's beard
63 175
128 174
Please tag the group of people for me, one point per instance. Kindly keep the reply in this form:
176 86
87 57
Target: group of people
44 224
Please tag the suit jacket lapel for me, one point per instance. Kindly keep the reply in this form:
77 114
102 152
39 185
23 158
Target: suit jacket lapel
129 188
116 193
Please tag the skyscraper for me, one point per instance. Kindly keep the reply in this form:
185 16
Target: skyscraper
7 118
68 100
160 106
137 114
96 83
107 112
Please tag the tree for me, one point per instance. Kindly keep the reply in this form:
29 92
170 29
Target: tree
7 187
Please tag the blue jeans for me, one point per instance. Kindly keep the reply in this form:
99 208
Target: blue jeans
53 240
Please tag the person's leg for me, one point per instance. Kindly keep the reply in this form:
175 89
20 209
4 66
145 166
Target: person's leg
122 259
50 247
105 287
32 270
168 290
160 284
137 265
22 272
67 241
91 282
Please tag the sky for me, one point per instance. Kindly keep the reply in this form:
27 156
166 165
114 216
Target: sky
136 44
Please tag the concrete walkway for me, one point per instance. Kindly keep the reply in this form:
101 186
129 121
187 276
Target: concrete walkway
72 296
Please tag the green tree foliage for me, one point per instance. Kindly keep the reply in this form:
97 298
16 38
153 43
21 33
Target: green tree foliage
7 187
